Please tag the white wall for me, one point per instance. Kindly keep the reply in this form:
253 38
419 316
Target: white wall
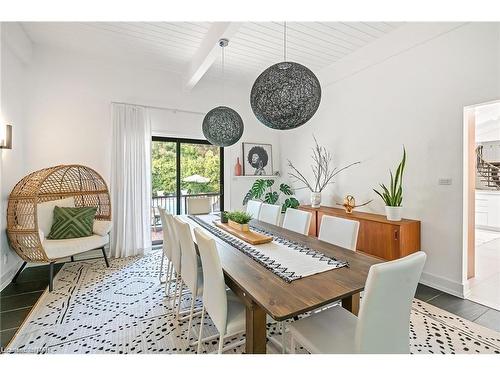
415 98
13 110
69 116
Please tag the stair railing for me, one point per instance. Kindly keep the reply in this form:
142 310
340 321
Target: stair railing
489 173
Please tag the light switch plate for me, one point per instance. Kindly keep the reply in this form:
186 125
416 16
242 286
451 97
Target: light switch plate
444 181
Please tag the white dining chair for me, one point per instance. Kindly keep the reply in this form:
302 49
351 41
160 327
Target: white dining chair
339 231
198 205
384 317
225 309
191 272
175 252
297 220
253 208
270 213
166 253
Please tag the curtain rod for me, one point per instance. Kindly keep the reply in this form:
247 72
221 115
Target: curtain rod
163 108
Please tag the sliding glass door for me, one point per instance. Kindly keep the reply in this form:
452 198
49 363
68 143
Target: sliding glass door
183 168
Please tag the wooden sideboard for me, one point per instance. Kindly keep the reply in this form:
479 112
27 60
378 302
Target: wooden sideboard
377 236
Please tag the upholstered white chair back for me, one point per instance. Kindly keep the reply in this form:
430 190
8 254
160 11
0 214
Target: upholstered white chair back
270 213
198 205
253 208
339 231
166 233
297 220
214 287
189 259
175 249
384 316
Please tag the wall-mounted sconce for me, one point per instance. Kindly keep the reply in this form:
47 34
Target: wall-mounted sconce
6 137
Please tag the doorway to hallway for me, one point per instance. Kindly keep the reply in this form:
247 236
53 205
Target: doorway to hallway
483 253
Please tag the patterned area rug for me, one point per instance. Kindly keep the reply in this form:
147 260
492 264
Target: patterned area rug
122 309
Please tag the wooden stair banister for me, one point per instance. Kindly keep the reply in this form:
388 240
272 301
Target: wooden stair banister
488 172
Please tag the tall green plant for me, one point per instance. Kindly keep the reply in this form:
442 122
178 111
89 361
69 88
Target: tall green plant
262 190
393 196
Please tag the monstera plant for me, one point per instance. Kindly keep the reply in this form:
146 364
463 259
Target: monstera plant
262 190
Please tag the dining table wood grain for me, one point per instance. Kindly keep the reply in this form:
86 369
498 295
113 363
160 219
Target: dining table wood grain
265 293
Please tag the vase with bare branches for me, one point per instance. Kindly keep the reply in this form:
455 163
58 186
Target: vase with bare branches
323 170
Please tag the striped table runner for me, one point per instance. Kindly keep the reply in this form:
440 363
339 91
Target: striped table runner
287 259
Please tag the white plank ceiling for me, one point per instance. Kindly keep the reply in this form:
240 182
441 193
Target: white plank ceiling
172 45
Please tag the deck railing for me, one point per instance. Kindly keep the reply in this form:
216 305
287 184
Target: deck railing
169 202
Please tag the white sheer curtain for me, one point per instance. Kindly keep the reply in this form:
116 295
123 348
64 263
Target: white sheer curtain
131 180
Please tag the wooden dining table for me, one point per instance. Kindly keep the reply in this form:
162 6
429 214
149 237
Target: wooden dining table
265 293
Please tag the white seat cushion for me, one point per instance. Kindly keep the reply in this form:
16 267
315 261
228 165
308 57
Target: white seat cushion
64 248
331 331
45 212
102 227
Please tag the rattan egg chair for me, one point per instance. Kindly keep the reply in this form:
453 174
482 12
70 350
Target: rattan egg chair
82 183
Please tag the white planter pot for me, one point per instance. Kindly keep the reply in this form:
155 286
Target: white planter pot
393 213
315 199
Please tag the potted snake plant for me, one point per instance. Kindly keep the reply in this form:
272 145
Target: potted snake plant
393 195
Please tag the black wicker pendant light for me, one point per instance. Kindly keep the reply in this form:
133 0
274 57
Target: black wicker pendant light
286 95
222 126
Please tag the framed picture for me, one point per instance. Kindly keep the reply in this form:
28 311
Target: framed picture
257 159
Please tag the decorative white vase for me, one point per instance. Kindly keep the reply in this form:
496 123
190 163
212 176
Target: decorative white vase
315 199
393 213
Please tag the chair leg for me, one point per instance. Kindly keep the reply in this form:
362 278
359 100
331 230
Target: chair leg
283 338
72 258
105 256
168 287
198 350
51 276
167 281
221 344
175 278
292 344
161 266
181 287
19 272
190 318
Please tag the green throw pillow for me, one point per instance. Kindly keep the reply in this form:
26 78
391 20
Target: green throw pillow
72 222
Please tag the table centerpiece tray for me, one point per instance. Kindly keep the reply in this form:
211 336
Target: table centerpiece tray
249 236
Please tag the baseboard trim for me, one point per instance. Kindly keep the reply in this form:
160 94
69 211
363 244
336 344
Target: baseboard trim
443 284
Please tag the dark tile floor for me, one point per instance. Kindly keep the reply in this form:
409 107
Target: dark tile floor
16 301
466 309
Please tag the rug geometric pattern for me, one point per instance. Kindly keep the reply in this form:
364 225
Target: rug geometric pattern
123 309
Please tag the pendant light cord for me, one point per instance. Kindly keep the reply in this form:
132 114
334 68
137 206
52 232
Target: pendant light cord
222 60
222 69
284 40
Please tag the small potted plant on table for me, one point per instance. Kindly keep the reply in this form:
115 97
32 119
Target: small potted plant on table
239 220
393 196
